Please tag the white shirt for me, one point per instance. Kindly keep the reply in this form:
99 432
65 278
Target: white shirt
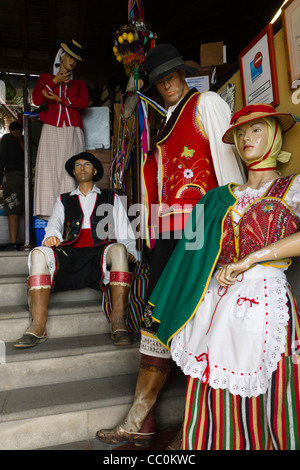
123 230
214 116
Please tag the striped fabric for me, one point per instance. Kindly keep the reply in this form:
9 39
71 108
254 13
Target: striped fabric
218 420
57 145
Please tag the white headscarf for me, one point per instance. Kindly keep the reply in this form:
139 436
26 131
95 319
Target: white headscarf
57 60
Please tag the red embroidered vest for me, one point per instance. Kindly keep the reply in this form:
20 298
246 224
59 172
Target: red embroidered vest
265 221
186 166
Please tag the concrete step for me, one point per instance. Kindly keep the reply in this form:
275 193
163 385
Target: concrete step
13 262
55 414
67 359
13 291
71 318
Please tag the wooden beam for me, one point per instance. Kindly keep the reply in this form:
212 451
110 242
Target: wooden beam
82 21
24 24
52 29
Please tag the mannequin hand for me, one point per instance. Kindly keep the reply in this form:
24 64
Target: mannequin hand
52 241
131 258
51 96
227 275
62 77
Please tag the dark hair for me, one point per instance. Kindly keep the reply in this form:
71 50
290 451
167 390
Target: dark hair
15 126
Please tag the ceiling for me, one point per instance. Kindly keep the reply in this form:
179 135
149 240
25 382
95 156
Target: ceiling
31 30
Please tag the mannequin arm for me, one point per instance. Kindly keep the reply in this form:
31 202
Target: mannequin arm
284 248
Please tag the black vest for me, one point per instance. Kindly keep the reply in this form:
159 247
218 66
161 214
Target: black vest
74 218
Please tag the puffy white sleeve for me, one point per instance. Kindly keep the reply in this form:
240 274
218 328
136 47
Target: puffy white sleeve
55 226
214 115
123 230
293 196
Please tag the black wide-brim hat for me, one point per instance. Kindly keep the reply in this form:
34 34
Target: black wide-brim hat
73 48
69 165
162 60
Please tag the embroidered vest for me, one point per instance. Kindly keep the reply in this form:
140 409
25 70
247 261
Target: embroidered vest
185 160
265 221
74 218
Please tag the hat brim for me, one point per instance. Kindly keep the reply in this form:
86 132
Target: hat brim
69 165
286 122
71 53
151 84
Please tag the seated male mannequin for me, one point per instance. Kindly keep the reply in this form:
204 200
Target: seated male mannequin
80 251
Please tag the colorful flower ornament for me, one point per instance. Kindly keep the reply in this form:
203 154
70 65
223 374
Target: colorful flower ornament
131 42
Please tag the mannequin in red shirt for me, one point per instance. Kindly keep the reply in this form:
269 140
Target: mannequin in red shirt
62 133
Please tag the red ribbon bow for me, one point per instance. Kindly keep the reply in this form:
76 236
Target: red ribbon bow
241 300
205 375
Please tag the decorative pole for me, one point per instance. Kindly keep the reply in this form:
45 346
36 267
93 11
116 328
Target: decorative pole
131 42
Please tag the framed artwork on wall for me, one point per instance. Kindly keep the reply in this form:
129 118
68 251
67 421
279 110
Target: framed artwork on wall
258 70
291 29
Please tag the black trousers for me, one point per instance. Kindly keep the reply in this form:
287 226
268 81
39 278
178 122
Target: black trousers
77 268
160 256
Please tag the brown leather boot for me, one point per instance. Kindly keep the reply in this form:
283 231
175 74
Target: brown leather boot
39 296
139 424
120 284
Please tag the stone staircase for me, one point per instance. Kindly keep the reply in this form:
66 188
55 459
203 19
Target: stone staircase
64 390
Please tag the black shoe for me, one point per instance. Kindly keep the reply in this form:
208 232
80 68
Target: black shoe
11 247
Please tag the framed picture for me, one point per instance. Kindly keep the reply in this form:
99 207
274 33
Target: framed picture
258 70
291 28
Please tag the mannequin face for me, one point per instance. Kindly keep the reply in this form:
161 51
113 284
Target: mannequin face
252 140
84 171
68 62
172 87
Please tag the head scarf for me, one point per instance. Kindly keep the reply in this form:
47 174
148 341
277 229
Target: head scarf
56 64
273 152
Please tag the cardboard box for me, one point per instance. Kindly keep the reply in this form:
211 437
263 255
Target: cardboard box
105 157
211 54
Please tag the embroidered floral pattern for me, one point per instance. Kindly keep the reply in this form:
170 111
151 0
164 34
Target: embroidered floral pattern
245 382
188 173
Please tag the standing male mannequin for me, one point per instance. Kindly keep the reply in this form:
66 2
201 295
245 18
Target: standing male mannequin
188 159
77 253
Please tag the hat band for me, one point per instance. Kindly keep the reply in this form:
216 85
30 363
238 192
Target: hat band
164 68
252 109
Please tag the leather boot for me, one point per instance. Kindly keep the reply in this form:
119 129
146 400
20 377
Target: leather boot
139 424
38 300
120 284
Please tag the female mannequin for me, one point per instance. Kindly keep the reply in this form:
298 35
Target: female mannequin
239 325
62 133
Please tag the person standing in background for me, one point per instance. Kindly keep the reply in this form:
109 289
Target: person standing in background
12 179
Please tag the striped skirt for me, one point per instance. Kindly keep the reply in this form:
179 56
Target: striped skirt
56 146
218 420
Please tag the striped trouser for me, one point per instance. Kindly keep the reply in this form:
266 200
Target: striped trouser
218 420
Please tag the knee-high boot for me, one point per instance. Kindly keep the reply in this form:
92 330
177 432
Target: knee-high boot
139 424
120 283
38 300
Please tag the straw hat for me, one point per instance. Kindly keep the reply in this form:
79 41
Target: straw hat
162 60
69 165
257 111
73 48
